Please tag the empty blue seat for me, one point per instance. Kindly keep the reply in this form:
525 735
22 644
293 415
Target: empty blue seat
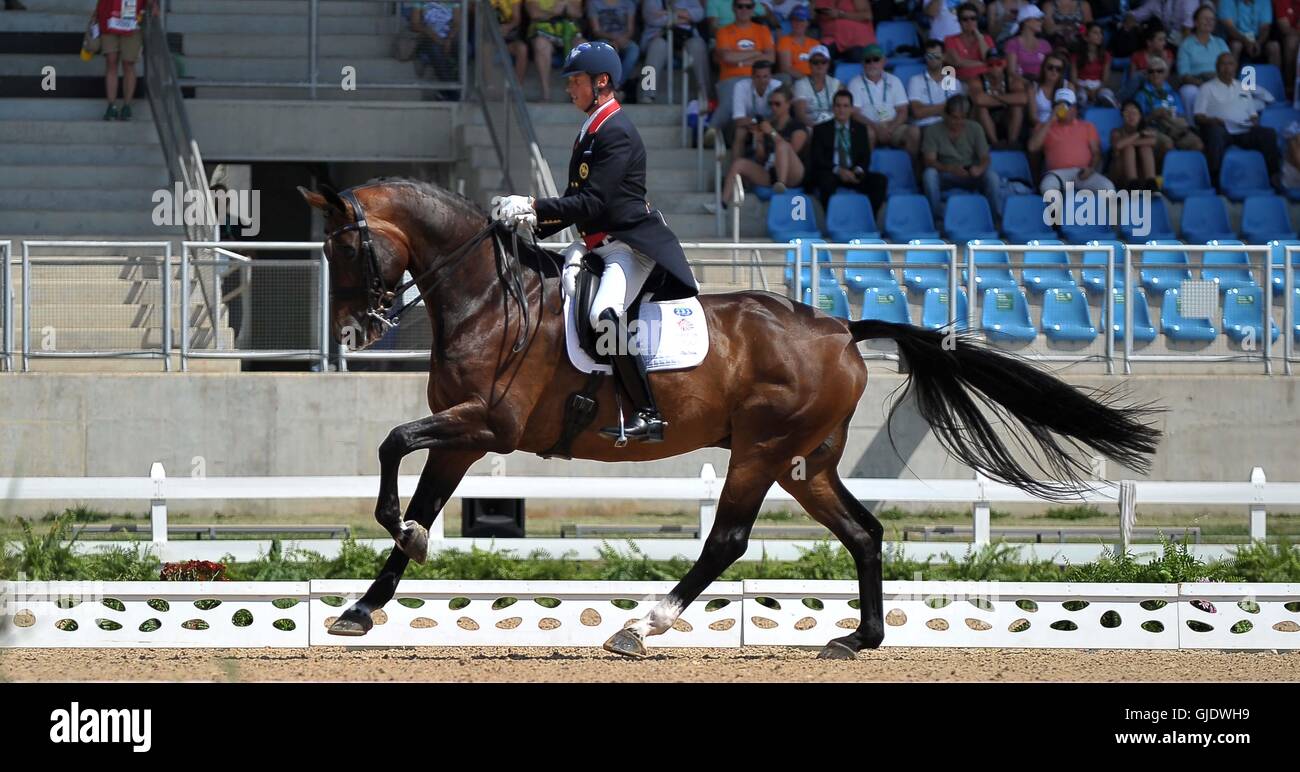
1103 229
1205 218
1094 266
804 248
934 309
831 298
1164 271
1229 270
886 304
1277 260
1105 119
849 216
847 71
1011 165
1181 328
1138 223
1264 218
1045 269
1185 174
920 279
907 69
908 217
791 216
896 165
1269 78
992 269
967 216
1244 174
1006 316
1066 317
1143 330
1022 220
868 268
1277 118
893 34
1243 315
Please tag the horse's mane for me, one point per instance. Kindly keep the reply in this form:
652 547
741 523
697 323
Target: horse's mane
434 191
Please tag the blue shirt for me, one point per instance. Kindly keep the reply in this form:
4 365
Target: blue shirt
1247 16
1149 99
1197 59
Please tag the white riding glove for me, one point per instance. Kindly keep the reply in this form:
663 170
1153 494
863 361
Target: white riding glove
518 212
572 264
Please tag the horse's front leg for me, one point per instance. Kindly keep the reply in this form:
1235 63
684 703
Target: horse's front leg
458 429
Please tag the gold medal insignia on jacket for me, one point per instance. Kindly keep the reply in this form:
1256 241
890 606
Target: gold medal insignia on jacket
583 170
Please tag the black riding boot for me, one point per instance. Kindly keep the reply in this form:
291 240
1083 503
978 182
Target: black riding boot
646 424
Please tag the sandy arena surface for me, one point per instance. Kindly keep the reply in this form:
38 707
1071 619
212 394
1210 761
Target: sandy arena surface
766 664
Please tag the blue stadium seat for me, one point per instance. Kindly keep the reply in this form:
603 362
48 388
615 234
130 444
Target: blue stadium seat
1244 174
1022 220
886 304
1177 327
1186 174
1011 165
1158 225
847 71
849 216
920 279
1082 234
1243 315
1278 250
1006 316
1105 119
1143 330
934 310
1162 274
1229 270
826 275
1045 269
781 223
1269 78
992 269
908 217
897 166
907 69
1066 317
1094 266
892 34
868 268
1264 219
1205 218
831 298
967 216
1277 118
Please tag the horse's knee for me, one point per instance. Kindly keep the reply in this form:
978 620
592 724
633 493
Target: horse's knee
727 547
394 445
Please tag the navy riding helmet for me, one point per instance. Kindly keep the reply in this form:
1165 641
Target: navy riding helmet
593 59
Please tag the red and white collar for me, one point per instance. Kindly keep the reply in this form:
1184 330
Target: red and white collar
598 117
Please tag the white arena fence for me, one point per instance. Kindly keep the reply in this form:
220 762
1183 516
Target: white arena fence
727 614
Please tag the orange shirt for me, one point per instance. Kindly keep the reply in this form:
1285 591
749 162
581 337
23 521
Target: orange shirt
798 53
752 37
1069 145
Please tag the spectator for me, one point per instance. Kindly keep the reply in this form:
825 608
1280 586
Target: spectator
841 156
1176 16
438 25
1286 20
1291 164
793 50
966 50
1064 21
1154 44
781 12
1052 77
943 16
1071 148
722 13
1026 51
999 102
1133 147
614 21
554 26
956 157
1091 67
1227 115
847 27
686 17
813 95
1163 109
119 26
1004 19
510 15
1246 24
750 103
1197 55
881 101
737 47
773 148
928 92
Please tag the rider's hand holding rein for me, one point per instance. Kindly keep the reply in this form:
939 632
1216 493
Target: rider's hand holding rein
518 212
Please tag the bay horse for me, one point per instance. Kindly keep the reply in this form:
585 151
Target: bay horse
778 386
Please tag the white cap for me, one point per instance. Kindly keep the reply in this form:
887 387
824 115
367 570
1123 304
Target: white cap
1065 95
1028 12
819 50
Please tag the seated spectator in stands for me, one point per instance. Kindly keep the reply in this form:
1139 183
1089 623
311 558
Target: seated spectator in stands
792 50
966 50
1133 150
841 156
928 92
780 12
813 95
614 21
1026 51
1162 108
1053 76
1176 16
1246 25
686 17
1004 19
553 28
1291 162
737 47
1071 148
722 13
1197 55
1155 43
943 16
510 15
881 101
438 25
847 27
1286 22
956 157
1091 67
999 102
750 103
1064 21
119 26
772 152
1227 115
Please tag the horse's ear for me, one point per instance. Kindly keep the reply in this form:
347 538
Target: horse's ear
327 200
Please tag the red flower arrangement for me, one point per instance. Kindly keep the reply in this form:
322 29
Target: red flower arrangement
193 571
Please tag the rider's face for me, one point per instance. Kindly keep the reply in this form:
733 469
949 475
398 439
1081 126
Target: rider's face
579 90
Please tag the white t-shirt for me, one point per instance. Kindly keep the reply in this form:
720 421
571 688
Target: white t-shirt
745 99
819 102
926 90
878 102
946 23
1229 101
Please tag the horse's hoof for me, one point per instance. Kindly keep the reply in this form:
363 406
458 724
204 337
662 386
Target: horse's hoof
353 622
837 650
626 643
414 541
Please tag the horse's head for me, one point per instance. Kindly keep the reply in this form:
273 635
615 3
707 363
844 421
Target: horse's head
367 254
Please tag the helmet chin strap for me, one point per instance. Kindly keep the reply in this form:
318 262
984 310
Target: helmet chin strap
595 97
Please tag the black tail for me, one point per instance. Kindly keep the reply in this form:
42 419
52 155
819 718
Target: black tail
947 370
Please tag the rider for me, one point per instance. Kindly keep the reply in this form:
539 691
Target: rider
606 200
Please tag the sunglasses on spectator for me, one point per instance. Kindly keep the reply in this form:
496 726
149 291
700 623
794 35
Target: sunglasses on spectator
748 7
1052 67
970 18
1160 71
818 60
871 59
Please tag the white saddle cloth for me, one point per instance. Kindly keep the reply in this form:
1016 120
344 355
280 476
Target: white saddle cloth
678 332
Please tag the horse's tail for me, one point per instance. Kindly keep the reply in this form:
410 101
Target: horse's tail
947 371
